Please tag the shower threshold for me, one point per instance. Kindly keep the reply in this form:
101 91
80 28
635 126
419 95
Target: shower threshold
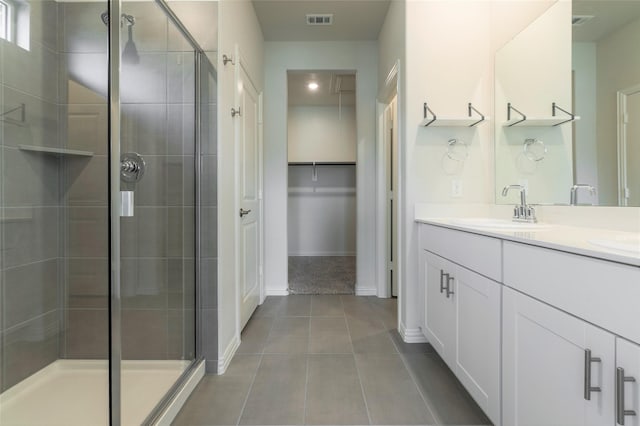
75 392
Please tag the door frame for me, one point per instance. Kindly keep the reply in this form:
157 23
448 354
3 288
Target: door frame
241 64
622 141
390 91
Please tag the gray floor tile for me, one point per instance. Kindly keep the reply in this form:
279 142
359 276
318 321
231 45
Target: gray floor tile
288 335
446 397
271 307
254 336
326 306
334 393
296 306
329 336
370 336
277 395
217 400
391 394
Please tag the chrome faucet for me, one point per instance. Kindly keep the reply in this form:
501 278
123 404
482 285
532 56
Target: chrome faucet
574 192
523 212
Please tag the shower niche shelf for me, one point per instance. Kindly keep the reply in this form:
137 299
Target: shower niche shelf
553 120
470 120
55 151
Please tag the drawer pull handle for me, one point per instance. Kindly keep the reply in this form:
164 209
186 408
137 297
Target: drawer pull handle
588 360
442 278
621 379
449 287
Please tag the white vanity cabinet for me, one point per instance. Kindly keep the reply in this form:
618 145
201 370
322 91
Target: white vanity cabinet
563 326
462 311
546 367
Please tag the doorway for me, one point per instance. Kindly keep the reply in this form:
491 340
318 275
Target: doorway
629 146
321 182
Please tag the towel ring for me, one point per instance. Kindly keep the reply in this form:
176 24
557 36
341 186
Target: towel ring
457 150
534 149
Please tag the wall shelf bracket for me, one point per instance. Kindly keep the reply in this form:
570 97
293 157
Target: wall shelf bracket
514 109
555 107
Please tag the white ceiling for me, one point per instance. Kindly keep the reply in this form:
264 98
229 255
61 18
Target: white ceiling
329 84
609 15
285 20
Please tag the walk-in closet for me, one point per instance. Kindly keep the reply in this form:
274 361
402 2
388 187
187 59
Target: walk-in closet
322 182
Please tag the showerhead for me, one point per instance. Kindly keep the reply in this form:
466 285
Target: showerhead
130 51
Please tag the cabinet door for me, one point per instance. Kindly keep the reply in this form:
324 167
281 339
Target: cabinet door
478 338
439 310
628 359
543 369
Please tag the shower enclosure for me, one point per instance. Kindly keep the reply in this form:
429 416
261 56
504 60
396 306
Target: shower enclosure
107 125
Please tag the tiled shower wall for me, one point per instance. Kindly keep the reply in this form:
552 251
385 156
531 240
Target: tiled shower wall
30 200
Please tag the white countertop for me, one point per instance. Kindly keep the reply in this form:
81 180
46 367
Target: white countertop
570 239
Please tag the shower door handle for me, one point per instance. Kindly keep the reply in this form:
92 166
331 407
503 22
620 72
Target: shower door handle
244 212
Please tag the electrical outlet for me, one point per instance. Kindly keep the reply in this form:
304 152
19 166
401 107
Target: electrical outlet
456 188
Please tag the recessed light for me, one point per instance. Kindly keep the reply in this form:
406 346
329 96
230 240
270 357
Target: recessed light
313 85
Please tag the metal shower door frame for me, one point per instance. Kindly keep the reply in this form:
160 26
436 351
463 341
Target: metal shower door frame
114 137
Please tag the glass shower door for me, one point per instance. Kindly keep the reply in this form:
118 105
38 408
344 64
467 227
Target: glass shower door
157 235
54 235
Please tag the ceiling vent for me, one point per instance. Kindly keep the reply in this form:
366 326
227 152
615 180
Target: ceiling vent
319 19
577 20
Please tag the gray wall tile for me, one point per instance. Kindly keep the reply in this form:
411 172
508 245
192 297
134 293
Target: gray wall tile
144 283
30 240
87 232
30 178
144 334
28 348
210 334
87 283
83 30
33 71
87 334
30 291
86 181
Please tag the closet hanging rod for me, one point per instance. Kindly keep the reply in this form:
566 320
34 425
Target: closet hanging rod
323 163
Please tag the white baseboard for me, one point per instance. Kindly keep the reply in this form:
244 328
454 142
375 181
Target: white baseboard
323 253
276 292
225 359
411 335
366 291
170 413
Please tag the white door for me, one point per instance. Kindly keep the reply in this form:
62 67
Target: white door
545 368
439 309
247 142
633 149
629 146
478 324
628 359
391 153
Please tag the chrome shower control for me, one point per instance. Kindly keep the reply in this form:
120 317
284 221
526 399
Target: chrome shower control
132 167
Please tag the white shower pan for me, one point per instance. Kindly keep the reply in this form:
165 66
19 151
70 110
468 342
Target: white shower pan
75 392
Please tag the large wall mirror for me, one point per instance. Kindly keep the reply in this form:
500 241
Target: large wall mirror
574 73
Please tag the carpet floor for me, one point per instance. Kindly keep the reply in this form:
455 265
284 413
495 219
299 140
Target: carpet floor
322 274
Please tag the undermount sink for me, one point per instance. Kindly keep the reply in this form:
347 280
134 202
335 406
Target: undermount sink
630 243
483 222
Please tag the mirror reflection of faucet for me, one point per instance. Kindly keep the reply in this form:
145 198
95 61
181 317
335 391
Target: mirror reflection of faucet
574 192
522 212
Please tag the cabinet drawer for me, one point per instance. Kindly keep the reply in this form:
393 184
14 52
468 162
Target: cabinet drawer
476 252
601 292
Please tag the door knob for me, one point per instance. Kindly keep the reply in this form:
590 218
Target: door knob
244 212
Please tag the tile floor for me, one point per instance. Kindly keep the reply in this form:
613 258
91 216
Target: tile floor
330 360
